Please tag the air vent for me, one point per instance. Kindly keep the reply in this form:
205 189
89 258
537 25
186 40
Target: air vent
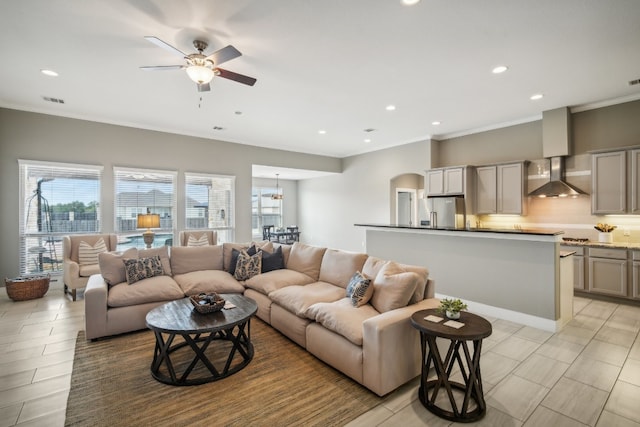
218 128
54 100
369 130
634 82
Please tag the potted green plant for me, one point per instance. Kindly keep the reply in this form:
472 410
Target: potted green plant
452 307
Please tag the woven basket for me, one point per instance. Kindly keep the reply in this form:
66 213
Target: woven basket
207 308
28 287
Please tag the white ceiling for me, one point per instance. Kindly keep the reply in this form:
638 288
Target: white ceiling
330 64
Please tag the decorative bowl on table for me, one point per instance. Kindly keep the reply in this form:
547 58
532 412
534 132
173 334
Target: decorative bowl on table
207 303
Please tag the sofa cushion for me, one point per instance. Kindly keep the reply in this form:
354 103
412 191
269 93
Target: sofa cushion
342 317
154 289
373 265
307 259
272 261
338 266
208 281
361 290
185 259
162 252
112 265
227 253
88 254
203 240
297 299
137 269
248 265
277 279
393 287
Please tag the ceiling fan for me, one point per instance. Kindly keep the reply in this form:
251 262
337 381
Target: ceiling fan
201 68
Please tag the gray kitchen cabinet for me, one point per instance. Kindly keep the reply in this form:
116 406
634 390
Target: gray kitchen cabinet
578 265
609 182
446 181
500 189
635 275
635 181
608 271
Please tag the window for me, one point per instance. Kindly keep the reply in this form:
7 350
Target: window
209 204
264 209
141 191
57 199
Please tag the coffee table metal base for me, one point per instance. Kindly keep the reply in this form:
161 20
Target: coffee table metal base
199 342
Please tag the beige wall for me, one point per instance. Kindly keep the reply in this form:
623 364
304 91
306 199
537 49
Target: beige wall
608 127
32 136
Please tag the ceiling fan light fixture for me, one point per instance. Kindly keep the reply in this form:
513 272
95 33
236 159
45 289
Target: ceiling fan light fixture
200 74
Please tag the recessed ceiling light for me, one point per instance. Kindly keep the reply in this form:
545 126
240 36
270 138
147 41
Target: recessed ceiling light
536 97
322 131
49 73
390 107
500 69
435 123
367 140
410 2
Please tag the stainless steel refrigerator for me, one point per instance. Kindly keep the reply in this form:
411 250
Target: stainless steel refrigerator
446 212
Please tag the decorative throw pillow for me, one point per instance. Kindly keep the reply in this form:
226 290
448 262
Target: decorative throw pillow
361 293
88 254
112 265
203 240
137 269
355 280
248 266
393 287
272 261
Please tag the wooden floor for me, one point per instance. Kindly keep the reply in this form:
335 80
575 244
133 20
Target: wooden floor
586 374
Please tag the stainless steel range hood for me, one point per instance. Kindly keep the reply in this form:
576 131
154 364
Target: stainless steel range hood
555 145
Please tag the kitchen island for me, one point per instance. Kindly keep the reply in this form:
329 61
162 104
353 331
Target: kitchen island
510 274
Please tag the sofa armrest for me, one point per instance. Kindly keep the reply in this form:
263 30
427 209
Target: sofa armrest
430 289
391 348
95 307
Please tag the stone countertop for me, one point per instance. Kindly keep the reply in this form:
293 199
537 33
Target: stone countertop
595 244
528 231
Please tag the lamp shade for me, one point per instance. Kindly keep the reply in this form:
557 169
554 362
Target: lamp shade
148 220
200 74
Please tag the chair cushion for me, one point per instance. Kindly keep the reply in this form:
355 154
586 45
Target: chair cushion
185 259
112 265
154 289
208 281
277 279
307 259
88 254
342 317
393 287
88 270
297 299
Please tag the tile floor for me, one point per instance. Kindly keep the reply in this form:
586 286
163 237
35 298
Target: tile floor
586 374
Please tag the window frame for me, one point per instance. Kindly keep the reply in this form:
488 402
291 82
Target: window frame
226 233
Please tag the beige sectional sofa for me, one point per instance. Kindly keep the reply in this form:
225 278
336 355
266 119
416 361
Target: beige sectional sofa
306 300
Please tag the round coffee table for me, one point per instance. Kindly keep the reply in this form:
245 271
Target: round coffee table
230 329
473 406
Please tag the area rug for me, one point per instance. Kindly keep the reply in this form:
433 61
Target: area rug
111 385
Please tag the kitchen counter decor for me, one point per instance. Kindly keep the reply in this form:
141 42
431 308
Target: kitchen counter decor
605 235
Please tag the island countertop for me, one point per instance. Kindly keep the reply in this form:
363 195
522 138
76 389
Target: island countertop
527 231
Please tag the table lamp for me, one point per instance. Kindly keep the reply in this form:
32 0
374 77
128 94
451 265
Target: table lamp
148 221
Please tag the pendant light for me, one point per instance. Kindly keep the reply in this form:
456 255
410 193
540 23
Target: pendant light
277 196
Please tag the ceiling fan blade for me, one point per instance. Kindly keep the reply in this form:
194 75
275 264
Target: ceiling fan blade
240 78
203 87
223 55
162 67
165 45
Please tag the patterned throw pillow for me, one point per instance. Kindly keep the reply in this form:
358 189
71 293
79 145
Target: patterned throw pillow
200 241
88 254
362 293
248 266
137 269
355 280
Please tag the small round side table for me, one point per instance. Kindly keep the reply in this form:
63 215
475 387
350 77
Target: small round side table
472 406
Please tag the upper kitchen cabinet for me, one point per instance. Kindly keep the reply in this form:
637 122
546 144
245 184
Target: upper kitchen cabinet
500 189
616 182
446 181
